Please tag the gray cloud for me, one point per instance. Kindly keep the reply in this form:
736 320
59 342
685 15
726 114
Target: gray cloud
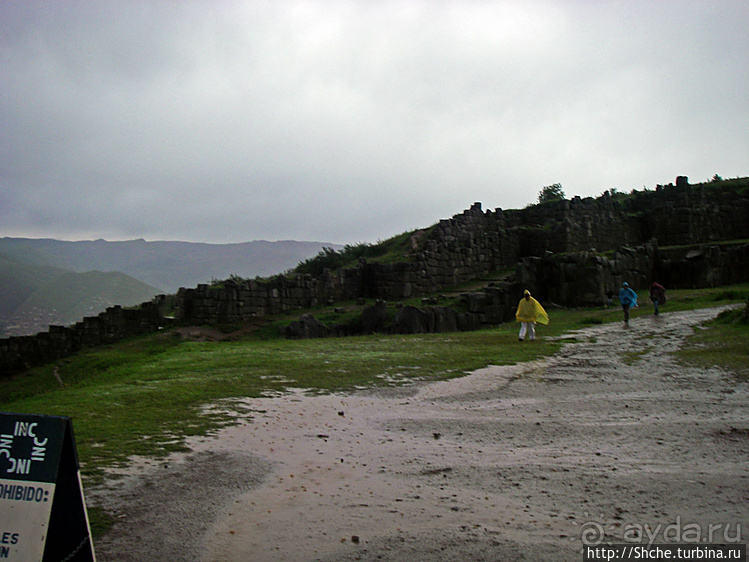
352 121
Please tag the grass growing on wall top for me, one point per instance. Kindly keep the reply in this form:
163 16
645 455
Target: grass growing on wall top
393 250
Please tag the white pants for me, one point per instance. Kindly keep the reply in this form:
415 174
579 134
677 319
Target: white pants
527 327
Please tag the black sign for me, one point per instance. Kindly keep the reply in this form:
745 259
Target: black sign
42 508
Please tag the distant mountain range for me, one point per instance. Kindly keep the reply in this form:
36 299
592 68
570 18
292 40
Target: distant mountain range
52 282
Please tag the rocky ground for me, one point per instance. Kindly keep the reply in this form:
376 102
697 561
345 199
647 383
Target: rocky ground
611 440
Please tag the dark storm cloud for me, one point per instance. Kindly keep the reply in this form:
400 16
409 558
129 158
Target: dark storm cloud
352 121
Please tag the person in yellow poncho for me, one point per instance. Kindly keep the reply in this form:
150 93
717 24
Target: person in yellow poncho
529 312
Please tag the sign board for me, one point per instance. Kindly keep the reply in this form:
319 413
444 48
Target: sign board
42 509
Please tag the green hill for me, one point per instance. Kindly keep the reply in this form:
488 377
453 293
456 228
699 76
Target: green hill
33 297
47 282
20 277
167 265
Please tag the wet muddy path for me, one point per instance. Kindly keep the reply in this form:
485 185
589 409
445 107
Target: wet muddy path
609 440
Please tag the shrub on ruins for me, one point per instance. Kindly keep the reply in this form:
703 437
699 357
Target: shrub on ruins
220 283
327 258
393 249
553 192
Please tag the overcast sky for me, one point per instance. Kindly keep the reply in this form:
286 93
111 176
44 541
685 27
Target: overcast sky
353 121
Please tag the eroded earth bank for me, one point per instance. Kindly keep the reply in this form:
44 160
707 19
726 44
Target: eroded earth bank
610 440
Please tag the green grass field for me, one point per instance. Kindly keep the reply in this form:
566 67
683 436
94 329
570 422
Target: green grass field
146 395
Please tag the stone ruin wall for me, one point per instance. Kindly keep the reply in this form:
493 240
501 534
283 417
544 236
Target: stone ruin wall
582 279
556 249
116 323
475 243
235 302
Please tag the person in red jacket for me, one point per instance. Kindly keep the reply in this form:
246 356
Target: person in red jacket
657 295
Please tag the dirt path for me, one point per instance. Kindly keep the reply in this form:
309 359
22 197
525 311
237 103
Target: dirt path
610 440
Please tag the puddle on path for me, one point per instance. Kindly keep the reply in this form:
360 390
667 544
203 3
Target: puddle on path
512 455
356 467
343 471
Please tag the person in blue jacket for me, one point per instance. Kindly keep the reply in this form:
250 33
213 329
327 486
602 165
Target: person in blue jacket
628 299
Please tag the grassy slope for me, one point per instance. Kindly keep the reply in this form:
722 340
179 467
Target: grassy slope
19 279
75 295
34 296
724 342
145 395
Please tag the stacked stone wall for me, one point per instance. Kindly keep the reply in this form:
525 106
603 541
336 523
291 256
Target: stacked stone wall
711 265
584 278
558 245
114 324
458 250
238 301
476 243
